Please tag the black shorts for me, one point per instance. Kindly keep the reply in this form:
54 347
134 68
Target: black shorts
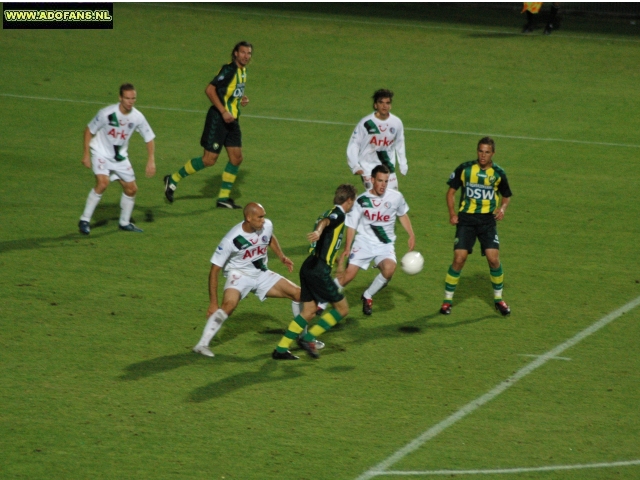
217 133
316 283
477 225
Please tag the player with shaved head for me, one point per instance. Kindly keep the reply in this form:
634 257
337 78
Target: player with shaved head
242 257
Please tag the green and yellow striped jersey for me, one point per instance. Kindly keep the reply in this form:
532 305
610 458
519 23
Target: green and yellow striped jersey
230 82
331 239
481 189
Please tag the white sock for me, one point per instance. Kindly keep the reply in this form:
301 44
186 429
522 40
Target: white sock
126 209
295 307
92 202
378 283
214 322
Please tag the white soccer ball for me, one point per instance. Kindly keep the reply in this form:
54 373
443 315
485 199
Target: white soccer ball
412 263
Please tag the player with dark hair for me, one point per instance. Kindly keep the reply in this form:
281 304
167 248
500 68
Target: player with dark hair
372 223
316 284
106 140
378 139
485 195
221 128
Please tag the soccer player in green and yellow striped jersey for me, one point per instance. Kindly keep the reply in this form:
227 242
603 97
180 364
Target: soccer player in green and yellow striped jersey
316 284
221 129
484 197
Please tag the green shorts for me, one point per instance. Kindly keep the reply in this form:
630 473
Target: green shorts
316 283
478 225
217 133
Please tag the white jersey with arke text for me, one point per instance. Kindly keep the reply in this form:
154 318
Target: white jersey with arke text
376 142
374 217
113 129
244 252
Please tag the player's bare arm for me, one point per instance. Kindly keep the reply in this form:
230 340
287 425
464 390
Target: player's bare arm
86 155
213 97
275 246
499 215
405 221
451 205
150 171
213 289
315 235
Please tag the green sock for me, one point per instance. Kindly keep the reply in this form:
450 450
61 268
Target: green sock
328 320
450 284
295 328
192 166
497 280
228 178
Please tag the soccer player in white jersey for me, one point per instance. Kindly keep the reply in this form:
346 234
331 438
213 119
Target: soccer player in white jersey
378 139
106 139
372 222
242 256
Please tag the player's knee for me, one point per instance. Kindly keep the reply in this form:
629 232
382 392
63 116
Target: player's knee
131 190
101 185
209 158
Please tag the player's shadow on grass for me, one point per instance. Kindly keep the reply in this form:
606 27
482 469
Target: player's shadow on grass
213 183
238 325
47 242
109 213
144 369
268 372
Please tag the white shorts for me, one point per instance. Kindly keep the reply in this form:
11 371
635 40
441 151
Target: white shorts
259 285
393 182
114 170
362 254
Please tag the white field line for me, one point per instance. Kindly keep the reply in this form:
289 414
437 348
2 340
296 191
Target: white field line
536 356
549 468
381 24
381 468
326 122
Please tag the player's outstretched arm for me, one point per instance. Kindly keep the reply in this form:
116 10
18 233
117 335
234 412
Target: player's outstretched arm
275 246
315 235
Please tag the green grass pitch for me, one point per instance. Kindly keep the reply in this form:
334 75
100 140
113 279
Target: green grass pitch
97 377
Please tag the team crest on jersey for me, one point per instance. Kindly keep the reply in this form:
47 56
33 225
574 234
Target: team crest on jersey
387 205
130 125
492 179
265 239
393 131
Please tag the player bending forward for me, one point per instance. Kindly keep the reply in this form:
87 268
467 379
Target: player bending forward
242 255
